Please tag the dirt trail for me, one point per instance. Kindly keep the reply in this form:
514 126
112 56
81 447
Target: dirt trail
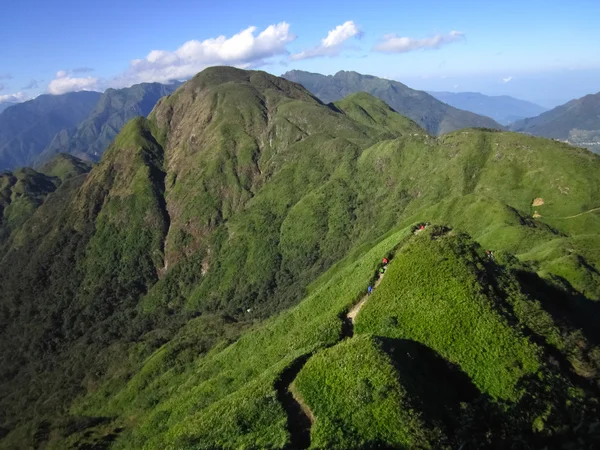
580 214
299 416
356 308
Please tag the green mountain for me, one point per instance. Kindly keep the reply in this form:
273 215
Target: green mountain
24 190
28 127
502 108
205 284
428 112
576 122
114 109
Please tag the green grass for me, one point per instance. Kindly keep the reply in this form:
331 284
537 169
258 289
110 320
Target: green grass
216 381
355 393
432 294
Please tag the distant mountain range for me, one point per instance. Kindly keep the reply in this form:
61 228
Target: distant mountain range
502 108
430 113
27 128
5 105
115 108
576 122
78 123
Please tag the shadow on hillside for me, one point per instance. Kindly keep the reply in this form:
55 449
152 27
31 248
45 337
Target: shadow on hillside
436 387
564 305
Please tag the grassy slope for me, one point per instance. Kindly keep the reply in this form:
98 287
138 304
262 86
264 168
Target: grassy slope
472 328
438 283
187 402
355 393
21 193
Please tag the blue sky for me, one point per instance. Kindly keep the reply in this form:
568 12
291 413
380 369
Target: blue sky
544 51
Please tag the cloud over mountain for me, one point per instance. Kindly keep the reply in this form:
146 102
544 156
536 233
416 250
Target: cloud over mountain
244 49
332 44
14 98
64 83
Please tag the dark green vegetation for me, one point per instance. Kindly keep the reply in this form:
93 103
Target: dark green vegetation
115 108
502 108
28 127
577 122
428 112
22 191
163 299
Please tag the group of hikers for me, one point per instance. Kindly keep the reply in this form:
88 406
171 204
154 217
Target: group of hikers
382 269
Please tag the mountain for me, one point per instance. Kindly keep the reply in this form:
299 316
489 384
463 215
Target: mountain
502 108
5 105
431 114
114 109
576 122
205 284
24 190
26 128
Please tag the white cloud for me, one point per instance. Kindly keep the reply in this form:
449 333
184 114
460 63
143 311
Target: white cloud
14 98
507 79
332 44
244 49
64 83
391 43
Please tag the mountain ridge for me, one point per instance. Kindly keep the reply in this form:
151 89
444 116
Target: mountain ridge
25 128
576 122
436 117
114 108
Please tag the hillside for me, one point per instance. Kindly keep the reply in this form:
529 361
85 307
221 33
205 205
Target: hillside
28 127
502 108
431 114
24 190
5 105
115 108
197 283
576 122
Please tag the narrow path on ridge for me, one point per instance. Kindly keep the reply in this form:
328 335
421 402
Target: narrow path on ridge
357 307
580 214
299 416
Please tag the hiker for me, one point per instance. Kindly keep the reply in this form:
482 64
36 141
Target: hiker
370 289
384 261
422 227
381 270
